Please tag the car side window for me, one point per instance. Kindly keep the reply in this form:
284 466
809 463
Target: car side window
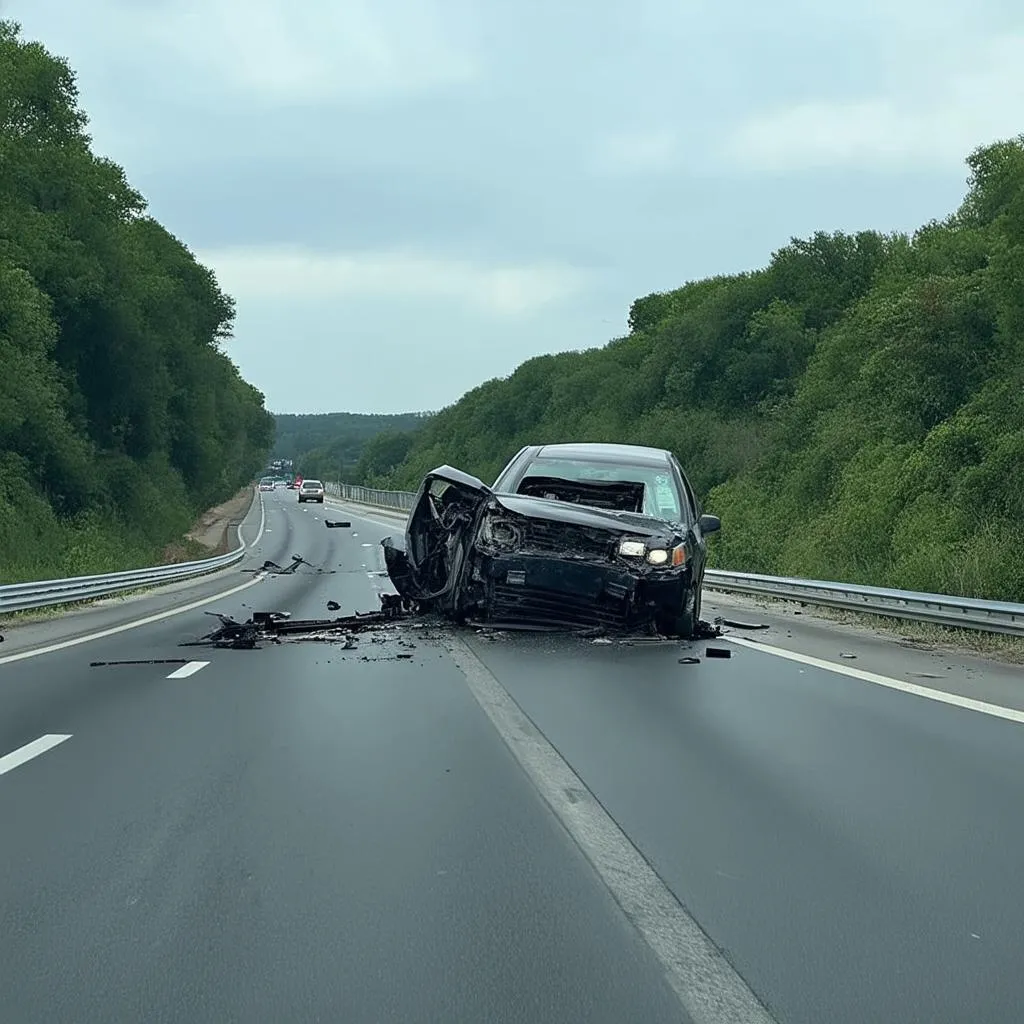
691 501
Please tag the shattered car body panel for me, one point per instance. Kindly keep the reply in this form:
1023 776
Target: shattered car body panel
557 554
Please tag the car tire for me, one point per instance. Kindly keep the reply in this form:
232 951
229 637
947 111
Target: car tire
682 624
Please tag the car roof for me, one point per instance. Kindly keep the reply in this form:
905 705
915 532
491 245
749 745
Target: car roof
605 452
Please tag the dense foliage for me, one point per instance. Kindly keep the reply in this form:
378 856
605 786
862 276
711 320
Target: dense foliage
853 411
120 415
345 445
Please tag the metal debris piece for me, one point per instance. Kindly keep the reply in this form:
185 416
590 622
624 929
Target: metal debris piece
706 631
717 652
333 606
600 640
143 661
336 525
847 654
689 661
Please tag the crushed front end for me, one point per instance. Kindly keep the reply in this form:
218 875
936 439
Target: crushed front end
533 561
534 571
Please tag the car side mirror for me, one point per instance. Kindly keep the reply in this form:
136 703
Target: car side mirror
710 524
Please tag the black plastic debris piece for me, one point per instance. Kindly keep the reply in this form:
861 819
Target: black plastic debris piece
336 524
333 606
143 661
717 652
235 635
736 624
276 570
403 656
689 661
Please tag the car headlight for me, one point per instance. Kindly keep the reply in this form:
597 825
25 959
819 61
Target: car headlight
632 548
668 556
502 534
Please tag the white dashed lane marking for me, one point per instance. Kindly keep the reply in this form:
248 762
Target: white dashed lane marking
40 746
188 670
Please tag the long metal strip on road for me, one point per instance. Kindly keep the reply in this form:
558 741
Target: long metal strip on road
17 597
941 609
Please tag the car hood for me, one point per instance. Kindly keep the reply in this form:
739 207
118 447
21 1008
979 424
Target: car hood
583 515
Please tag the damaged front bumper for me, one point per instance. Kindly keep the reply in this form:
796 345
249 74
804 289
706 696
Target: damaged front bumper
544 591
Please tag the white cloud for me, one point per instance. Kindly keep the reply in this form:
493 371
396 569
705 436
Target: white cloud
290 273
931 120
315 51
636 152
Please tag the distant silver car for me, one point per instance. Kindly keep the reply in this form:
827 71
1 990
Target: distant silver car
311 490
267 484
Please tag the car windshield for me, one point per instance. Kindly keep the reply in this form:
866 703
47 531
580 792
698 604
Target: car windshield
661 496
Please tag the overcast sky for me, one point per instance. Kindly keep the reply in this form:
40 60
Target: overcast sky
408 197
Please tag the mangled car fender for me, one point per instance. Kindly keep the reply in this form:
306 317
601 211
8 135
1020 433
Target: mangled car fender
446 512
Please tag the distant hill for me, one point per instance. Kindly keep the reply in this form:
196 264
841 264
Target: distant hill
330 445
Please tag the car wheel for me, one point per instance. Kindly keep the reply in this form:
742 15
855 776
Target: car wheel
682 624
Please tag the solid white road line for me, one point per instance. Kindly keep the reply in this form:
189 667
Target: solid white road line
187 670
263 519
1010 714
263 523
40 746
170 613
704 981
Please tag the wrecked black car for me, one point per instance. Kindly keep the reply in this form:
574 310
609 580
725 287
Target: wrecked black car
569 536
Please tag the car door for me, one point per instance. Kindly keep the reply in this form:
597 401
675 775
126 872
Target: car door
694 511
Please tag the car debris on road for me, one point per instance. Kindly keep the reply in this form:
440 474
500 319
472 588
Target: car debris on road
276 627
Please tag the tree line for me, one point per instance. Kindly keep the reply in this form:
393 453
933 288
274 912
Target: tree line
854 410
345 445
121 415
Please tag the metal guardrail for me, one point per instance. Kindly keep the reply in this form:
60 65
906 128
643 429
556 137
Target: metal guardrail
401 500
941 609
18 597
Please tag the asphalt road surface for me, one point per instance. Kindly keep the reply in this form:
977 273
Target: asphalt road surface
304 833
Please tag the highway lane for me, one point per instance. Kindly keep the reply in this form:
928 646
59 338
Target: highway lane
292 833
261 835
854 850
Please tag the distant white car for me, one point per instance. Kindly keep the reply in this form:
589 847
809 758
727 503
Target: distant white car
267 484
311 490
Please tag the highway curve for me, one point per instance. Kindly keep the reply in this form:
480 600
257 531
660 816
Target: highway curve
308 833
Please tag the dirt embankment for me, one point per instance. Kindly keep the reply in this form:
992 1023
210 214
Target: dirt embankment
214 533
